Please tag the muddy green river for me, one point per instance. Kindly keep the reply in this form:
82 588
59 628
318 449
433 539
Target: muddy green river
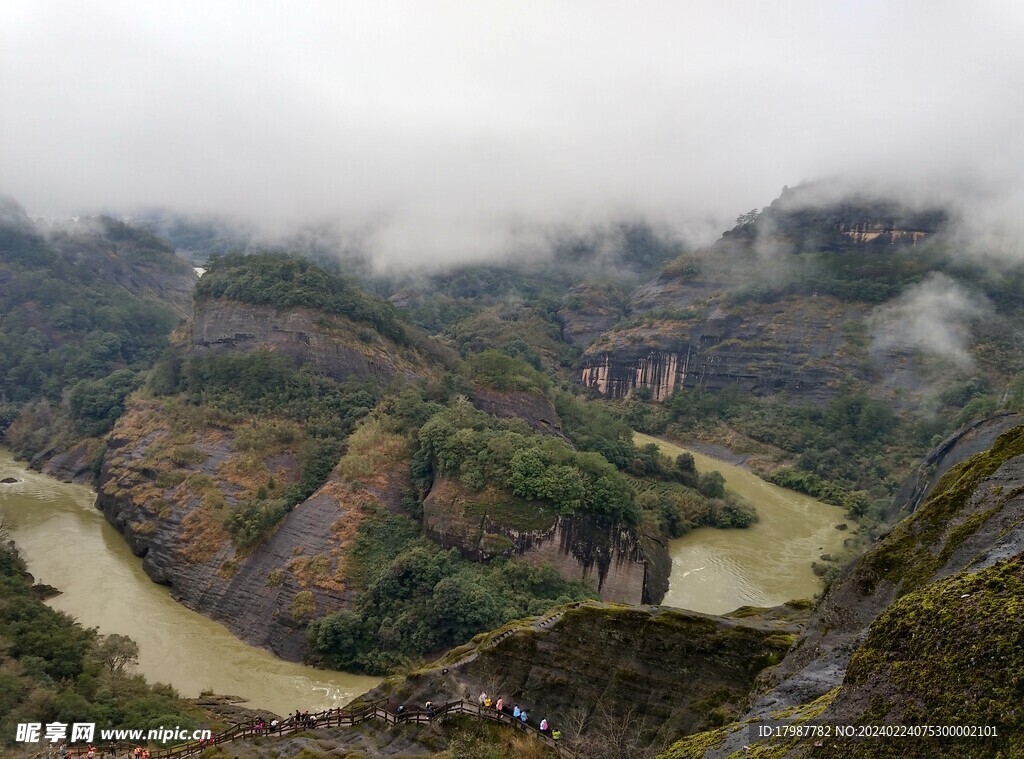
68 544
715 571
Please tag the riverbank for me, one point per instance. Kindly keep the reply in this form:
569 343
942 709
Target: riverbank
716 571
721 453
68 544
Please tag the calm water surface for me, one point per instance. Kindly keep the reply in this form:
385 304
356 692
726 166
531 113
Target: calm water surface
68 544
715 571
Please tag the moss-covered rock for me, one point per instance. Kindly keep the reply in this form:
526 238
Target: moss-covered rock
927 629
669 671
922 544
951 653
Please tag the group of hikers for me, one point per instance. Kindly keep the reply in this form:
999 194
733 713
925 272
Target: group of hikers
517 714
91 752
303 719
306 720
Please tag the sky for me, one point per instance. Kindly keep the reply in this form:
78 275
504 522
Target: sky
451 129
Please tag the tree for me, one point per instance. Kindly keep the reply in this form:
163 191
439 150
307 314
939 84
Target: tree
605 733
463 607
747 218
117 653
712 485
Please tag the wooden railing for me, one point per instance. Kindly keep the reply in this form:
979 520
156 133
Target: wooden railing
353 716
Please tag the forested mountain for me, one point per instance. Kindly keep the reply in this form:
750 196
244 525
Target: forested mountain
86 307
304 462
364 471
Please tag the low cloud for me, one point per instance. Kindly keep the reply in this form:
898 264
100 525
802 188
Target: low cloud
445 131
934 317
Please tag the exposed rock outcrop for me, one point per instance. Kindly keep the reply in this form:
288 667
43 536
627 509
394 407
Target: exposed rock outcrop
331 344
796 345
625 566
814 216
536 410
77 464
667 671
747 313
971 525
173 517
972 439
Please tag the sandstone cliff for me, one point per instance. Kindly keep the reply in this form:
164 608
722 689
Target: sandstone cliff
665 671
797 345
534 409
621 563
787 301
174 474
816 216
331 344
172 515
923 629
973 439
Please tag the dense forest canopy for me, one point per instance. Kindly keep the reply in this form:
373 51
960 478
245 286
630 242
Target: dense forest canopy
81 317
288 281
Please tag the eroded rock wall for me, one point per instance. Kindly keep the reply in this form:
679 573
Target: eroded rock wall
623 565
173 516
797 345
662 671
333 345
536 410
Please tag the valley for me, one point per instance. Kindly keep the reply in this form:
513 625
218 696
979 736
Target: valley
68 545
766 564
451 489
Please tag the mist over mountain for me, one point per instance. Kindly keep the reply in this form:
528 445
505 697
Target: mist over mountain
446 133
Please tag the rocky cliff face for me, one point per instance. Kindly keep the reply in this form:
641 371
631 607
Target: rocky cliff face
333 345
665 670
797 345
172 516
747 312
973 439
933 609
536 410
813 217
623 565
77 464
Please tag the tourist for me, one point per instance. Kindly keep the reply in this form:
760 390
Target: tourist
487 702
515 712
482 698
499 704
522 717
544 725
556 735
